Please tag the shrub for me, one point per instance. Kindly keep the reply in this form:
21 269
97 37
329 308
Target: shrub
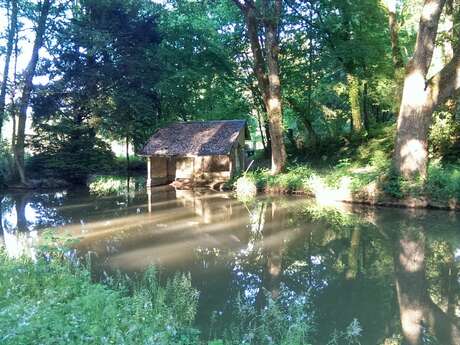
443 181
284 321
245 187
54 302
444 135
5 162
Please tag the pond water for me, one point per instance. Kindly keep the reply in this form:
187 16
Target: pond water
379 266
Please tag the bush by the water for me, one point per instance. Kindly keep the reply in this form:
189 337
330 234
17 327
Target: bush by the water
52 302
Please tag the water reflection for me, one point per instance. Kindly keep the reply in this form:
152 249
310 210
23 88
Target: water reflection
394 270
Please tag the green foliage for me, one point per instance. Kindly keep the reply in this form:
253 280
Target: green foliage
115 185
445 137
289 323
349 336
68 151
137 165
360 166
294 179
199 73
443 181
54 302
5 162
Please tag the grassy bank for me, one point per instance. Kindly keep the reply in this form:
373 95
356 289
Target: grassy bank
360 172
55 303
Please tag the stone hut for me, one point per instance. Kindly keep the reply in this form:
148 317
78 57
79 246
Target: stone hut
197 153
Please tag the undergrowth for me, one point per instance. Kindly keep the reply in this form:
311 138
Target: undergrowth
360 168
53 302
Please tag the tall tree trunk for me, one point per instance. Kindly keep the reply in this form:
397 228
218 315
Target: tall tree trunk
259 122
355 103
9 51
267 70
306 121
275 114
13 94
398 63
394 34
365 107
27 89
410 157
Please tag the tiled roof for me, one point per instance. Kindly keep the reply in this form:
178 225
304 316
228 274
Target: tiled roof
200 138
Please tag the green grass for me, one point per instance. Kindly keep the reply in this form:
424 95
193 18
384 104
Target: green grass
56 303
361 166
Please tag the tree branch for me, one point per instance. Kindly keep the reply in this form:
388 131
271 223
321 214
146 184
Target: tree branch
446 83
426 37
252 23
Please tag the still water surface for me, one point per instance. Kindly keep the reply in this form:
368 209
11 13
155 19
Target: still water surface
376 265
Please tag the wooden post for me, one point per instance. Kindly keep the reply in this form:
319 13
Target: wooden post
149 171
149 198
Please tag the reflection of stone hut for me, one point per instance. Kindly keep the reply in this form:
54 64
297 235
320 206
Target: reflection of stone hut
206 152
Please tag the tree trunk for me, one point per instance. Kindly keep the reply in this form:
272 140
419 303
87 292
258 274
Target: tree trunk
9 51
365 107
304 116
267 71
262 137
394 34
13 94
410 158
355 104
274 109
27 89
411 149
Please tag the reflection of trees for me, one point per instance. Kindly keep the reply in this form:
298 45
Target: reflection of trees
417 309
353 254
420 249
20 201
274 251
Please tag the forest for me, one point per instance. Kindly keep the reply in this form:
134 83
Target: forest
358 89
350 104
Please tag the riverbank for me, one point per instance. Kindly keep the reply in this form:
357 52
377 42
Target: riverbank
53 301
359 172
368 185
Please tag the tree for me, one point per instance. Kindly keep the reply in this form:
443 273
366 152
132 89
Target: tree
44 9
423 94
104 75
12 28
266 19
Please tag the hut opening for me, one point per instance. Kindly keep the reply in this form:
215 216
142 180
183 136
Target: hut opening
196 153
